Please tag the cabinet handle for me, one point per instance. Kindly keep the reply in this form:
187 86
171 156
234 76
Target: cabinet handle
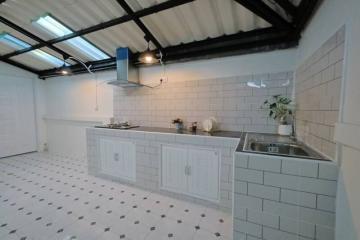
116 157
185 170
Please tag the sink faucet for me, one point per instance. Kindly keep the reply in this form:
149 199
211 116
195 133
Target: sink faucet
293 126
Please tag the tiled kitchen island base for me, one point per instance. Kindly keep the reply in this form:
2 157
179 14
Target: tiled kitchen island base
283 198
148 147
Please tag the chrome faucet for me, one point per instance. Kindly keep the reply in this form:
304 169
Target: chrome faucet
293 126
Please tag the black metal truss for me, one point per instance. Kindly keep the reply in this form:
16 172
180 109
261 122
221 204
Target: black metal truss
240 43
287 6
22 66
32 36
140 24
282 34
123 19
261 9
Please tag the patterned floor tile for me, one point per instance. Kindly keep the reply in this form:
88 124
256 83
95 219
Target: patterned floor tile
52 197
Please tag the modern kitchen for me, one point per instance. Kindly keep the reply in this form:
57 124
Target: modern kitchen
179 119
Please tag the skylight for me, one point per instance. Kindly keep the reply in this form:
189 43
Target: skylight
56 28
18 44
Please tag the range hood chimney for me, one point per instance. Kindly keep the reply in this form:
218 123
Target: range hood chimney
127 73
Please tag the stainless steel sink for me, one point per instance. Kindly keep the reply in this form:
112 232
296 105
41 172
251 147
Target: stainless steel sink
277 145
278 148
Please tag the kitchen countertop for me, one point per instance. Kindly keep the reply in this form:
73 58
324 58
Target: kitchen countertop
227 134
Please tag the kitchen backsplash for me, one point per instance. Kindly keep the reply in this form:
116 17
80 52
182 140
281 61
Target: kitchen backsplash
317 94
231 100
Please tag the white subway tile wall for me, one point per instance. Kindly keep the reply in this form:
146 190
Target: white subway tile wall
317 93
292 200
235 105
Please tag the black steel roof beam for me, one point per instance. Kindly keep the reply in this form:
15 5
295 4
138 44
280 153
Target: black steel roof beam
234 41
123 19
22 66
30 35
287 6
140 24
259 8
304 11
256 40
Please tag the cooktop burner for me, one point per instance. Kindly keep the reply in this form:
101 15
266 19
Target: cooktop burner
117 126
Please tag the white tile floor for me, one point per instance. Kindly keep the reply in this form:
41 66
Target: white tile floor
52 197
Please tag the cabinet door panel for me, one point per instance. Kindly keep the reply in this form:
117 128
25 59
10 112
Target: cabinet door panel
174 162
118 158
107 156
126 159
204 173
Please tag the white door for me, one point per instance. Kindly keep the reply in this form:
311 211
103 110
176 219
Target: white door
17 116
204 173
173 168
118 158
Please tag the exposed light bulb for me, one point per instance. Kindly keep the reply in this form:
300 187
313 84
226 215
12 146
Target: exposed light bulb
149 59
64 72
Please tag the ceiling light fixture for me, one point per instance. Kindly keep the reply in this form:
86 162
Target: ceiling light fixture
148 57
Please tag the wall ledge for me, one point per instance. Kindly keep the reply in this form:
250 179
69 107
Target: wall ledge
76 119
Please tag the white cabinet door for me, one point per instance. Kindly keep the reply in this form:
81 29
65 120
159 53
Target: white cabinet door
174 162
118 158
204 173
124 155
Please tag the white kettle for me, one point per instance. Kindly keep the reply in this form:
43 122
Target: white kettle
209 125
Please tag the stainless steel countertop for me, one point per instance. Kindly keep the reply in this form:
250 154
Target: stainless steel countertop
227 134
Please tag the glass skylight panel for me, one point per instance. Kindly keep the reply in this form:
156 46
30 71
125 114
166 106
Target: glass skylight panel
18 44
56 28
13 41
48 58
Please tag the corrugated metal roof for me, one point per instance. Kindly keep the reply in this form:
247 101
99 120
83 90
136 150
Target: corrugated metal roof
29 60
4 49
77 14
190 22
199 20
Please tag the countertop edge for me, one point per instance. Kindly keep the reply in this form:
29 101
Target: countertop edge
237 135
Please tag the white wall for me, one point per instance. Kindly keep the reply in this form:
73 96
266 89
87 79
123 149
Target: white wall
70 104
269 62
329 18
70 101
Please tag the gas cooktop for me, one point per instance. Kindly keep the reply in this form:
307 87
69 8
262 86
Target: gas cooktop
117 126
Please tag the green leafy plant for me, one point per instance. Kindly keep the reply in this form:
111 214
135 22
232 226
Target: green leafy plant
279 108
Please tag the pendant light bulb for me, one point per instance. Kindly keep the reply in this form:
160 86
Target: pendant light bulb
148 57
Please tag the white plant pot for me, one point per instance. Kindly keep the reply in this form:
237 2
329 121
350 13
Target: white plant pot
285 130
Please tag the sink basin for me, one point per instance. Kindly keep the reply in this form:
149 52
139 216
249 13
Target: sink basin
278 145
279 148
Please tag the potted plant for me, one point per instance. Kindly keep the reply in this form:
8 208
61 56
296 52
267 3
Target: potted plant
178 124
279 109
